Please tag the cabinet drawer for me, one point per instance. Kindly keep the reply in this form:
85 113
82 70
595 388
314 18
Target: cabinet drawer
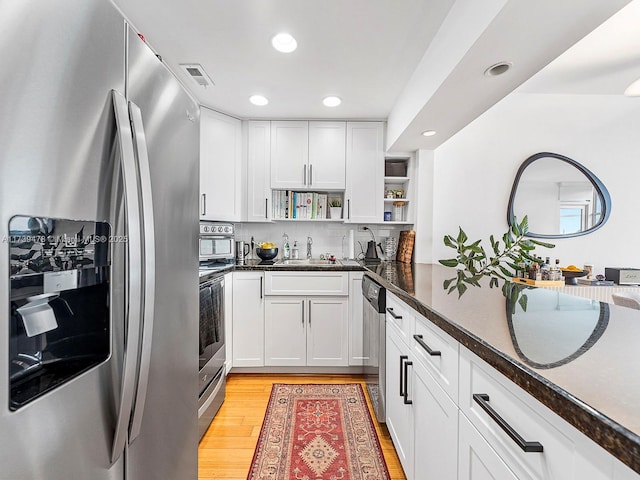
438 352
306 283
520 413
401 317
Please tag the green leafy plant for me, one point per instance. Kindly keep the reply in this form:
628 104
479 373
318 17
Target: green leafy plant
472 262
335 202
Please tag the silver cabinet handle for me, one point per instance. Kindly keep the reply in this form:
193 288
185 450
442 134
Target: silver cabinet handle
266 208
310 174
261 287
148 298
309 312
304 178
303 313
349 209
203 203
134 273
482 399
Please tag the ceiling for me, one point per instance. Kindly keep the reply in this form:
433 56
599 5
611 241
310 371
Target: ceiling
363 51
390 59
605 62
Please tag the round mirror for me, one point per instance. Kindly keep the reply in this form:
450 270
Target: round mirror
560 197
555 328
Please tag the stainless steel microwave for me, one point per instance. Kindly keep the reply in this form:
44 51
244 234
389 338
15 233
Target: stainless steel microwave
216 241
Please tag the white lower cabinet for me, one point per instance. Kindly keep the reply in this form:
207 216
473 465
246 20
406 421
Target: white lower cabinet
476 459
356 320
435 420
306 331
399 413
421 418
248 319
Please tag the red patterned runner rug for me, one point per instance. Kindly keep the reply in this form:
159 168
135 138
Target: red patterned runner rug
318 432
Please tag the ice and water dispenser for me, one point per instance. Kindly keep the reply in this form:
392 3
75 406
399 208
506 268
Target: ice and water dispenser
59 303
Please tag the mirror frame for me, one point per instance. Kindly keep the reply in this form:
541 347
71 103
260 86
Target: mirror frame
598 185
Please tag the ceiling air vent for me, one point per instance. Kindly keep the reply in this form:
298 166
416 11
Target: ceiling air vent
197 73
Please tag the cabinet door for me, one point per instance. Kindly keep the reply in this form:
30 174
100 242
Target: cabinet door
327 159
285 331
435 420
289 155
259 171
248 319
328 331
365 172
399 415
220 167
356 321
476 459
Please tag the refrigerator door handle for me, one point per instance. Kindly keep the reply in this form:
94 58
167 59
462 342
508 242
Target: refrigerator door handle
134 273
148 298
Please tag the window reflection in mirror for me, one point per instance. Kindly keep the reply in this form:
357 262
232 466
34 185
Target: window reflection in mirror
561 197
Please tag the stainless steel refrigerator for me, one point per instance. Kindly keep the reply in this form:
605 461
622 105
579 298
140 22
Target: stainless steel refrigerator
98 250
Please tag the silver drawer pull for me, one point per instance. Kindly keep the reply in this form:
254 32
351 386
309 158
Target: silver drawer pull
433 353
482 399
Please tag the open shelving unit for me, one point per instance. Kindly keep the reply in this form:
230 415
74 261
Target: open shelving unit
398 188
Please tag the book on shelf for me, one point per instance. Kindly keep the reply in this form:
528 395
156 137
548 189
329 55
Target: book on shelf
292 205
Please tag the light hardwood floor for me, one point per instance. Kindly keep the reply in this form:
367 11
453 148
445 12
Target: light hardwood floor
226 450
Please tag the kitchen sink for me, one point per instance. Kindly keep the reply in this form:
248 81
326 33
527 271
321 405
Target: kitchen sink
305 262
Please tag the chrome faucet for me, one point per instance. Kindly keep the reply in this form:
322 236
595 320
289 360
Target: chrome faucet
309 243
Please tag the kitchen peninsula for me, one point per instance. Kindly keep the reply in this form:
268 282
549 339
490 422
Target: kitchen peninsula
593 388
597 390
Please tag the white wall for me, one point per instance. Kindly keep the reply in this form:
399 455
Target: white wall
474 171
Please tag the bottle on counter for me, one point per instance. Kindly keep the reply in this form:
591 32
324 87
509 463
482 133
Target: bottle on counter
286 250
294 251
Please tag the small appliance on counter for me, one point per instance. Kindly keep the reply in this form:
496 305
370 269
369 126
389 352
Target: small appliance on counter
217 247
371 256
623 276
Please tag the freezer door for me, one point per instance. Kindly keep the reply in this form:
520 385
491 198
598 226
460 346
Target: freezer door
167 443
61 59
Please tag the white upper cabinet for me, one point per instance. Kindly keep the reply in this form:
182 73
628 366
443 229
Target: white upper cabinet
365 172
308 155
220 167
259 171
327 158
289 155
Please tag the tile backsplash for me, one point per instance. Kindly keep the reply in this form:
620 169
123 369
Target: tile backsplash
328 237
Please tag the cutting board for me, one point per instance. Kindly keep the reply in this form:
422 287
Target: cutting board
405 246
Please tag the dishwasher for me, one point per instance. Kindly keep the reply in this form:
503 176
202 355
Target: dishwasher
374 337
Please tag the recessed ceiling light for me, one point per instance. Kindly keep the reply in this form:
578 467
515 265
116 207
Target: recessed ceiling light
429 133
331 101
285 43
633 90
498 69
258 100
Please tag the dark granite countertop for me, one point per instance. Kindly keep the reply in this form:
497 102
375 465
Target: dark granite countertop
575 355
257 265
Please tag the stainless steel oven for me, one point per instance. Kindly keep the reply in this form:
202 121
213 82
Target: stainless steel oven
212 350
216 241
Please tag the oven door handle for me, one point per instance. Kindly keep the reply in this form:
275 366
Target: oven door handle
148 305
134 273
